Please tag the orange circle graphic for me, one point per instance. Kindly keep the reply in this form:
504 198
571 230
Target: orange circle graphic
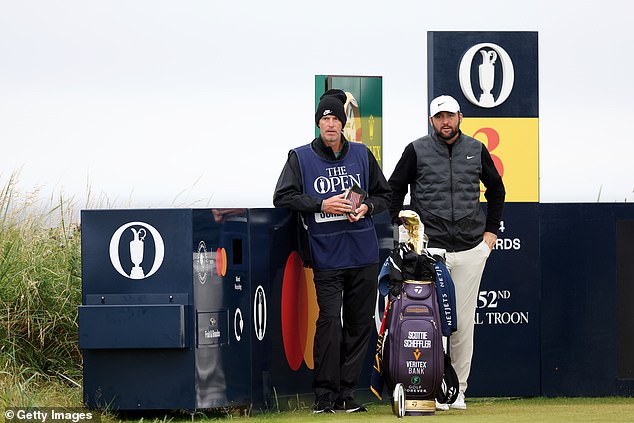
221 262
312 312
299 312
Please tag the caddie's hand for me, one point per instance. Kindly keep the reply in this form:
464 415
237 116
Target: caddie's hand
358 213
336 204
490 238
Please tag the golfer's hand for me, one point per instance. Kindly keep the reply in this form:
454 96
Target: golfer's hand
336 204
490 238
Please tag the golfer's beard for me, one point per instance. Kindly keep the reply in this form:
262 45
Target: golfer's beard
451 135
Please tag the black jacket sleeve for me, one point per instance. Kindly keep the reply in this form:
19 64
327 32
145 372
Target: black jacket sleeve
494 193
379 191
289 191
404 173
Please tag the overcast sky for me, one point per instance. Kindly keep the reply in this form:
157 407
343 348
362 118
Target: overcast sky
196 103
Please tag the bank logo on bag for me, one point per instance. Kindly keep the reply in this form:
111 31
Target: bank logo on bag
494 60
134 237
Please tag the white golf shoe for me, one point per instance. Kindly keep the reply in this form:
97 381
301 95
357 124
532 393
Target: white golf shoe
459 403
441 407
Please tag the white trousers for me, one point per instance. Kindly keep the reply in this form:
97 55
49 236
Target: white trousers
466 268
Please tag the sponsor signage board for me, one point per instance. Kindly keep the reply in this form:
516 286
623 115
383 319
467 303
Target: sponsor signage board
494 78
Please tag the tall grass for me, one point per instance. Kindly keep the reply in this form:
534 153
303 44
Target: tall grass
40 289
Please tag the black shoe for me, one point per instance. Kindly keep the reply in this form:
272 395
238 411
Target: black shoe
349 406
323 405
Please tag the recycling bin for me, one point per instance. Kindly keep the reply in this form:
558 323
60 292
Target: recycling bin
174 306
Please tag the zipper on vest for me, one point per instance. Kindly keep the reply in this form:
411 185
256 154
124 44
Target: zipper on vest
453 214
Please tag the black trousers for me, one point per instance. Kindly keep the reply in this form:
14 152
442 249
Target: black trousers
340 350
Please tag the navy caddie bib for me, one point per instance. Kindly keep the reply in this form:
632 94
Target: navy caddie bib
336 243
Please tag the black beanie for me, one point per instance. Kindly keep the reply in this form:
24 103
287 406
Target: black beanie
331 103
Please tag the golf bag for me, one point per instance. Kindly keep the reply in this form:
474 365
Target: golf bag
410 356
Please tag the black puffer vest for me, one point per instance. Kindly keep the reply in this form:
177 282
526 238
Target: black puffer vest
446 192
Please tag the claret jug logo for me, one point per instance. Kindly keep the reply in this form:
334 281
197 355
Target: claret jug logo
494 60
128 252
336 179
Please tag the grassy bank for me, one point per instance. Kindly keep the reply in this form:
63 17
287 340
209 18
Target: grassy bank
40 289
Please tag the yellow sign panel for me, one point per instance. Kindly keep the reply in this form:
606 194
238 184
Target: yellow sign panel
514 147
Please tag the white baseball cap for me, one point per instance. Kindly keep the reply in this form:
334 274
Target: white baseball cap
443 103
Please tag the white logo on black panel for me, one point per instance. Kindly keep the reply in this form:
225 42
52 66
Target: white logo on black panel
202 263
494 59
132 266
259 313
238 324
